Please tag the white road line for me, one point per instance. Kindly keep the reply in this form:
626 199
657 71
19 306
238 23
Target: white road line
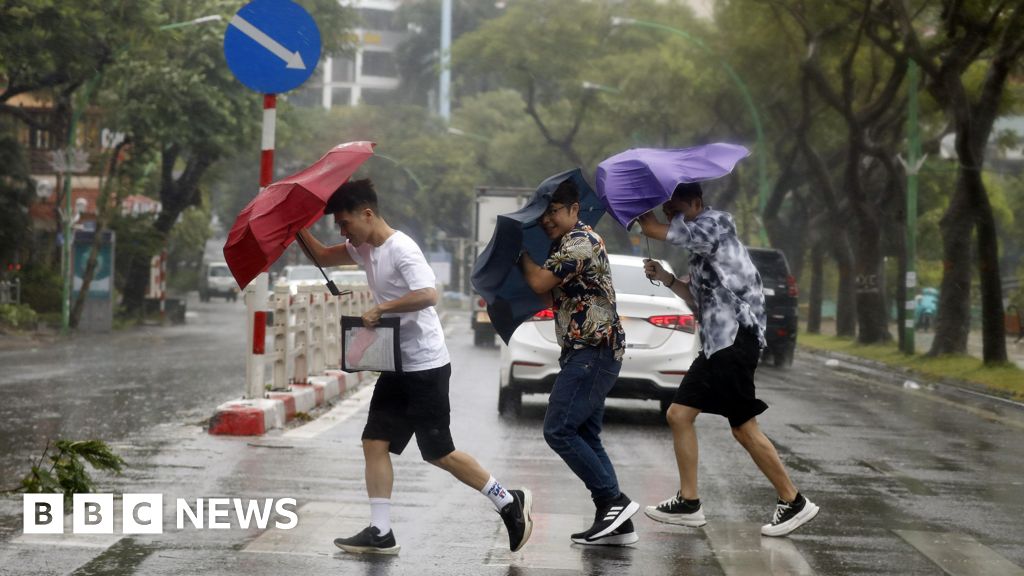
741 551
337 416
960 554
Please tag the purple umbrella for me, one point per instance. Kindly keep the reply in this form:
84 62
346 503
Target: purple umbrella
641 179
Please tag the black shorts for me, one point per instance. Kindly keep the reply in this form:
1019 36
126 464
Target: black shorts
410 403
724 383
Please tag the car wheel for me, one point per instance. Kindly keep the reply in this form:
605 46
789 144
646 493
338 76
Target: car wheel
510 401
783 358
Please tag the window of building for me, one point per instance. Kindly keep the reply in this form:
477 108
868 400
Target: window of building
376 19
341 96
379 64
343 70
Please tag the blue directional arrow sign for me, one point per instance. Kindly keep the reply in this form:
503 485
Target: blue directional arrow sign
272 46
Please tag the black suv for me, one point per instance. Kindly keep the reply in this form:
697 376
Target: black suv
780 299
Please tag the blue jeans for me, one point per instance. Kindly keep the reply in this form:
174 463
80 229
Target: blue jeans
572 425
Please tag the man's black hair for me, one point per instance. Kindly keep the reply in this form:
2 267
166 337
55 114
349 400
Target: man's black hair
353 196
566 194
687 191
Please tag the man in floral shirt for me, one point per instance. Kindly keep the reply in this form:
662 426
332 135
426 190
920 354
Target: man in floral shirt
724 288
576 279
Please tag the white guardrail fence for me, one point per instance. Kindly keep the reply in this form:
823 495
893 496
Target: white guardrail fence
305 332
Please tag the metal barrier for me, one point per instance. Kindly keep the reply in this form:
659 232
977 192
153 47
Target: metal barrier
306 331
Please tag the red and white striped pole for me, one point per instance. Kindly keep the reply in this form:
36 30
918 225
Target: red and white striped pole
269 127
256 293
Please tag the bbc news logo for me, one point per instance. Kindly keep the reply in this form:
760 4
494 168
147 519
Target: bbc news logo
144 513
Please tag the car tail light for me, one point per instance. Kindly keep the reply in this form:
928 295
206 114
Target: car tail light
481 303
791 286
781 332
545 314
684 322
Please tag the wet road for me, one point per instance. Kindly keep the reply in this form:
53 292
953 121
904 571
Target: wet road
909 483
111 386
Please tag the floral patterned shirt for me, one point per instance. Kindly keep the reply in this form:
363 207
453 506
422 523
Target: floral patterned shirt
584 302
723 280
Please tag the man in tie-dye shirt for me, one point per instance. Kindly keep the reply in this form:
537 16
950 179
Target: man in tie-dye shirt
724 289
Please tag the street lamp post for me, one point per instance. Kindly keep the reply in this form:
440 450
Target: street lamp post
67 270
913 167
762 150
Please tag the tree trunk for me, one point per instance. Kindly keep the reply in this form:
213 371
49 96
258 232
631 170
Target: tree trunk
814 303
992 322
87 276
846 300
953 321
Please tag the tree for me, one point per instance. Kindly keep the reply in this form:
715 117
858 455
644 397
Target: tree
16 192
182 108
975 39
54 67
863 93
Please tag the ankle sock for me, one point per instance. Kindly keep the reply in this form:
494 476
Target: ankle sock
498 495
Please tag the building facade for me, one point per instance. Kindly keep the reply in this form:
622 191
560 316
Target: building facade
372 73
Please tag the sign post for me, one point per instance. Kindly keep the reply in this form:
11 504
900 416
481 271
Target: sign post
271 46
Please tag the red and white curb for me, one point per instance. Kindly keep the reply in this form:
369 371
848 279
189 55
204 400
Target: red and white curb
257 416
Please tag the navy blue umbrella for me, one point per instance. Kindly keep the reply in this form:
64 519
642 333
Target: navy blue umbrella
496 275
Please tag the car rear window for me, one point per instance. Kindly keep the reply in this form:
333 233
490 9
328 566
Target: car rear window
631 280
770 263
219 271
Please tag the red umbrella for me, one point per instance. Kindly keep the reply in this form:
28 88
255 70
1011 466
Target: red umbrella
270 222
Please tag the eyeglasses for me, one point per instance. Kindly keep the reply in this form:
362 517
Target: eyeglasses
552 210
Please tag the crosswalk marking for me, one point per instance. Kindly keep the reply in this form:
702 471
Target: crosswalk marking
741 550
960 554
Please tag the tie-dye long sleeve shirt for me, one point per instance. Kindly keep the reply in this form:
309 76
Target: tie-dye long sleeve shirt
723 280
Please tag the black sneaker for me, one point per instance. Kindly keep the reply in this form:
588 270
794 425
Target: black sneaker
789 516
624 535
675 510
608 518
369 541
517 518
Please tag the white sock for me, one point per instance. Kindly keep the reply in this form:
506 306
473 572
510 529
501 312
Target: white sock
498 495
380 514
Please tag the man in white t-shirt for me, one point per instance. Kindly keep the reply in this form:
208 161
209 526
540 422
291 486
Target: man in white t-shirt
414 401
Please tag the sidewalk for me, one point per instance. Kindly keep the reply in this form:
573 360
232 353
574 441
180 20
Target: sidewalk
923 341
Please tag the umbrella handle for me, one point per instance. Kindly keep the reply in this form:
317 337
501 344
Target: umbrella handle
648 239
330 283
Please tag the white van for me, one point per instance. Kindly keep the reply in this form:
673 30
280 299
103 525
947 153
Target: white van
216 280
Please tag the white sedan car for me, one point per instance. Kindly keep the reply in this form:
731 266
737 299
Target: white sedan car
661 343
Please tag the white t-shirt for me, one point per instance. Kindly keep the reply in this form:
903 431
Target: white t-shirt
394 269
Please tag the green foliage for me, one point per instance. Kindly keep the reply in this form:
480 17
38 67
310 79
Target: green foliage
41 287
185 249
17 315
66 472
16 194
136 238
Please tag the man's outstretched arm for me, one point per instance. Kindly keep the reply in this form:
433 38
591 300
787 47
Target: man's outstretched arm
325 256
